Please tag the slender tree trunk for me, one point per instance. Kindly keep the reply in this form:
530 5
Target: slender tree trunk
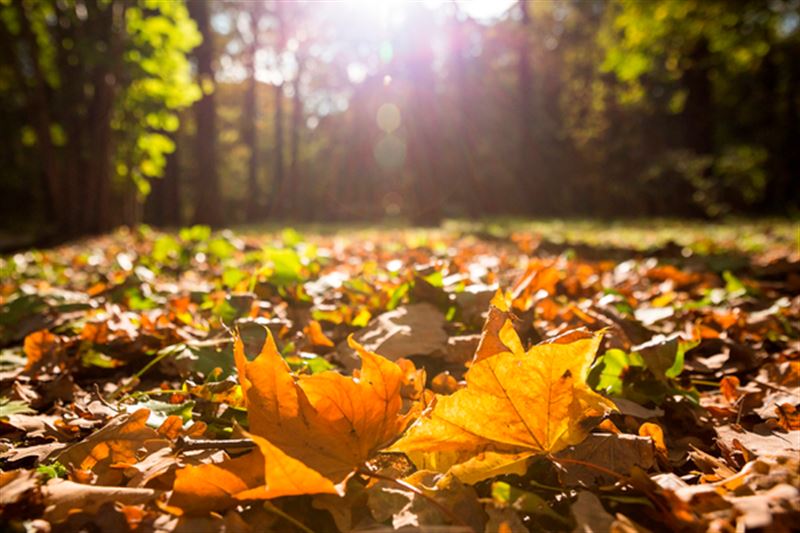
699 109
278 196
278 199
698 113
475 199
525 173
295 180
163 207
208 209
100 196
250 118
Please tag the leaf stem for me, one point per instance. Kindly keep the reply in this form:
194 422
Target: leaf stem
408 486
604 470
272 508
187 444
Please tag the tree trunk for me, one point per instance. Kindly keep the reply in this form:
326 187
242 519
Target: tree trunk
38 104
277 197
699 109
476 201
208 208
163 207
525 173
250 118
295 182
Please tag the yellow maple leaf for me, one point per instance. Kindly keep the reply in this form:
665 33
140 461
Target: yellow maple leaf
516 404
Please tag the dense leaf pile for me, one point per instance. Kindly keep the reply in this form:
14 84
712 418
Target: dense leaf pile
398 379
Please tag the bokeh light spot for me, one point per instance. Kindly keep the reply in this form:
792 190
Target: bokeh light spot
388 117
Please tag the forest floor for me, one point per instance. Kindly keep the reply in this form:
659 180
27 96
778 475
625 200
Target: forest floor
506 376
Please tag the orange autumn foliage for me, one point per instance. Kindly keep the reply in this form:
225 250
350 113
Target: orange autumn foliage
312 432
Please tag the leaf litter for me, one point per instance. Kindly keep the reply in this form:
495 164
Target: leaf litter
401 380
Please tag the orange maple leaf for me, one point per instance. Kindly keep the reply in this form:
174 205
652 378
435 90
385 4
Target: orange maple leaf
312 432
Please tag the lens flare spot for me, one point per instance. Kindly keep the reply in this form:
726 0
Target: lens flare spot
388 117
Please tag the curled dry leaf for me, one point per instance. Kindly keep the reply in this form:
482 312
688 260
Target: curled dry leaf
729 386
42 348
654 431
516 404
315 334
107 452
490 342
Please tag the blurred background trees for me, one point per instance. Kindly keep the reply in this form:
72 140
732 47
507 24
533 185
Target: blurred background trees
220 112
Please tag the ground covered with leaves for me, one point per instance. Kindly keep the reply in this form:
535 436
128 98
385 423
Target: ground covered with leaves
485 378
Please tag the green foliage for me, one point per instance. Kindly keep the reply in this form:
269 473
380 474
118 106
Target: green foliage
13 407
646 375
286 265
160 35
53 470
659 39
106 80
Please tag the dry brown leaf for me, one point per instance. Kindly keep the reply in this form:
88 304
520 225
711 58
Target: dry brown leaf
42 348
771 444
63 497
618 453
729 386
171 427
416 329
119 444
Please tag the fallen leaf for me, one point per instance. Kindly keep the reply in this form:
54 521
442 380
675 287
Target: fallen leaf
590 515
39 452
330 422
62 497
618 453
515 404
654 431
171 427
788 417
315 334
405 508
416 329
312 433
729 386
213 487
42 349
772 444
118 444
16 486
490 342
